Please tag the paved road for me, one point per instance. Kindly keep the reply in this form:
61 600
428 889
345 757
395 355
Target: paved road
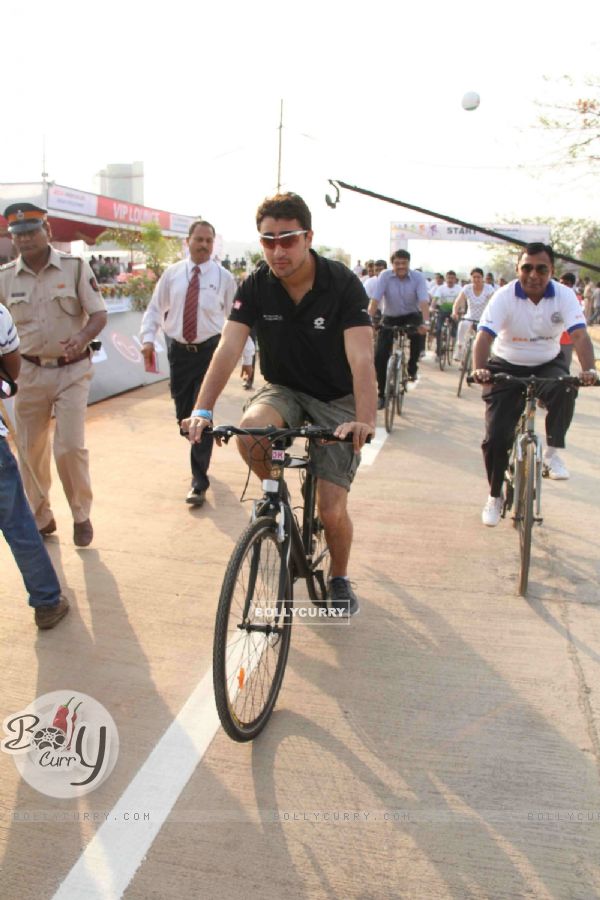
445 744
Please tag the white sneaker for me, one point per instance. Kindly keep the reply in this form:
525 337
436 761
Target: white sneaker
458 353
556 468
492 511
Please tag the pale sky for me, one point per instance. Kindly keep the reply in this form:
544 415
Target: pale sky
372 95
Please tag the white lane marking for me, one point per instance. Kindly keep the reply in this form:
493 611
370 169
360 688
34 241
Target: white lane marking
114 854
109 862
369 452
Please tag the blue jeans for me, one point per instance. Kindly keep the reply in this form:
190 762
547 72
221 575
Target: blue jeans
19 528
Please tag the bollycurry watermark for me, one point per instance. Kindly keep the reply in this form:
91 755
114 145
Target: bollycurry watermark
64 744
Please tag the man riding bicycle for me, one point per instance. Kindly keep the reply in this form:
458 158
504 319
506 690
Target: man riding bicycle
405 301
524 321
316 354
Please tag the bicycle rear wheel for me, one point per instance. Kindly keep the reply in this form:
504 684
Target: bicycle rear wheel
401 384
391 386
252 631
525 514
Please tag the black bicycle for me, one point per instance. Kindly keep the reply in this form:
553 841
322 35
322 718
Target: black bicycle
254 619
523 476
396 376
446 343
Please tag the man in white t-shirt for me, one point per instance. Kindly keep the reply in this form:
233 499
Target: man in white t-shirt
524 321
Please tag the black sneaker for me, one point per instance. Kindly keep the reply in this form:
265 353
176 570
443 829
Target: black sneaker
342 599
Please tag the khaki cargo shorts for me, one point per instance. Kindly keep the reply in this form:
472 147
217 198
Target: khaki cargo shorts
333 462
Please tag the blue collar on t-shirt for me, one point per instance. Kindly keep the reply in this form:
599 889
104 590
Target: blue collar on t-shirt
519 292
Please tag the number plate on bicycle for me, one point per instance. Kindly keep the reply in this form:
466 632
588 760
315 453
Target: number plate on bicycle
278 455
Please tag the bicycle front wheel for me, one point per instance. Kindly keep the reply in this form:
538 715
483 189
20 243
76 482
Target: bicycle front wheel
465 367
402 383
391 388
443 350
525 514
315 545
252 631
449 348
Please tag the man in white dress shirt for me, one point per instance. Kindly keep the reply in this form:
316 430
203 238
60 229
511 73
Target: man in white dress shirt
190 303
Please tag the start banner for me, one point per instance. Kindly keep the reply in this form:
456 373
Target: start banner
400 232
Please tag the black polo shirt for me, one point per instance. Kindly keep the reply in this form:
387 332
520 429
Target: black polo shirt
302 345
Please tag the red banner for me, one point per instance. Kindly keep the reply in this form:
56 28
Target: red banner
123 213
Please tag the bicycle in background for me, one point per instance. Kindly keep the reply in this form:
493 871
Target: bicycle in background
396 378
466 362
446 345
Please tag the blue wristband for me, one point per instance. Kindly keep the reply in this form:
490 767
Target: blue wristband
202 414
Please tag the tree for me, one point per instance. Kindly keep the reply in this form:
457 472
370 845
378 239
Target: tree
158 249
334 253
573 237
577 121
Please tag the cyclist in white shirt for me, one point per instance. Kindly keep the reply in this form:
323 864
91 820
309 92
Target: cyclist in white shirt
471 302
521 326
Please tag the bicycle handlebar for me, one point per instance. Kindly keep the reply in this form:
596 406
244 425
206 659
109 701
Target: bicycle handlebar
404 329
498 377
312 432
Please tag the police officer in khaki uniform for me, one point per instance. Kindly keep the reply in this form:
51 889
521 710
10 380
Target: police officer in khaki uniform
57 308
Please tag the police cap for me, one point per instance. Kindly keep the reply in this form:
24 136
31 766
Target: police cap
23 217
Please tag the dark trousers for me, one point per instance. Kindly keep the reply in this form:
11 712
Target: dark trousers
385 339
505 403
188 369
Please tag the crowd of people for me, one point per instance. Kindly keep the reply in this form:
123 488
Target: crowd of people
312 319
108 268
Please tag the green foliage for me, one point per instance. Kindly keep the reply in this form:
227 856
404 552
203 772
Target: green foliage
140 289
159 250
579 238
334 253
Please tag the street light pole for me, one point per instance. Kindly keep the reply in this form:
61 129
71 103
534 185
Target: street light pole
279 155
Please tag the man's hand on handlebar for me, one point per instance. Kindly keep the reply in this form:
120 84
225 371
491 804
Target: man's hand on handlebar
482 376
360 432
588 377
194 427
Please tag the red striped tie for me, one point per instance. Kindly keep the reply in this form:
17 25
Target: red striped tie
190 310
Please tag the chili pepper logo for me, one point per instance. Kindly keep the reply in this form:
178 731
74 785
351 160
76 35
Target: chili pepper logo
64 744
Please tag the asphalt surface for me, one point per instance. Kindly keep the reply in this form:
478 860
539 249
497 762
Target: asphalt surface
444 744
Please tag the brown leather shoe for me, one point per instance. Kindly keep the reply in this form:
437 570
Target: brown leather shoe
195 498
49 616
50 528
83 533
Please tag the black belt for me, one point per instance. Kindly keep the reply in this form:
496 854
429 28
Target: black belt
196 348
58 362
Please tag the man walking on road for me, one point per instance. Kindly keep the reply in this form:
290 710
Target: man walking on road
191 303
403 295
524 321
316 354
58 309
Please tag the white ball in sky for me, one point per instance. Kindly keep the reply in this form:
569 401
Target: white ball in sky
470 100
